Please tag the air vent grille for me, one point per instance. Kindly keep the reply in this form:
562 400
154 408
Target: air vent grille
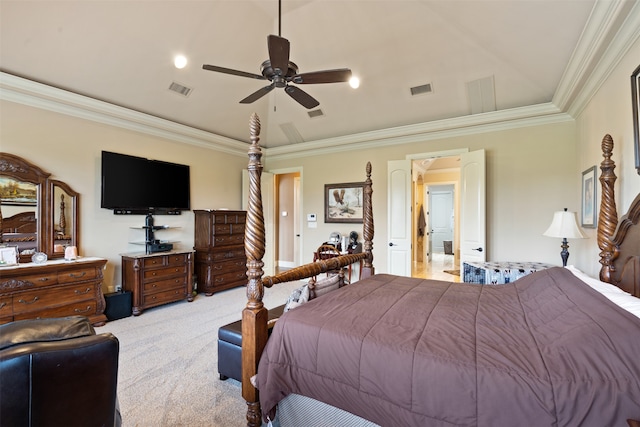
419 90
315 113
181 89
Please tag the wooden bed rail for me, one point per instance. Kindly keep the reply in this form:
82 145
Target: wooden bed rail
254 315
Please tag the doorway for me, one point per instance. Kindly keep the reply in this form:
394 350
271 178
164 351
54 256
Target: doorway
287 225
436 227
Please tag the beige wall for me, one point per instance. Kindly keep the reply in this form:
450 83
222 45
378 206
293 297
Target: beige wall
70 149
529 176
609 112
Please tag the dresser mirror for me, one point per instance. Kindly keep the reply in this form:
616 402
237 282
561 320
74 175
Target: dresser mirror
63 205
29 217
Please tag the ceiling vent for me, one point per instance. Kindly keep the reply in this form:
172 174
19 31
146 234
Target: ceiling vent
419 90
181 89
291 133
315 113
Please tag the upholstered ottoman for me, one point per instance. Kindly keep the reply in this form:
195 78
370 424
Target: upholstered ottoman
230 347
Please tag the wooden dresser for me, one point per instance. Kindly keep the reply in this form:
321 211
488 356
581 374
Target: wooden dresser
157 278
220 261
56 288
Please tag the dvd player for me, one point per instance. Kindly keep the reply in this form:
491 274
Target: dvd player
154 247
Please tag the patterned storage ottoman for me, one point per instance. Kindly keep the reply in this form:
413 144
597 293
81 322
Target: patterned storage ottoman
497 273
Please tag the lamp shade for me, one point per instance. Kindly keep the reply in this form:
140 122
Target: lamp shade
564 225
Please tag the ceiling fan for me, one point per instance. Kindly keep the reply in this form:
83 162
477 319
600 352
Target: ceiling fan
281 72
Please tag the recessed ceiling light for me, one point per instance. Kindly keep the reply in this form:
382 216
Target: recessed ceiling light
180 61
354 82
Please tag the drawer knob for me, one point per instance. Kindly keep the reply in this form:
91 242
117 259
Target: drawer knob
3 304
75 275
77 310
86 291
29 302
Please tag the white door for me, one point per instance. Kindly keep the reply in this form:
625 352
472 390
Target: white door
267 183
472 207
441 216
399 217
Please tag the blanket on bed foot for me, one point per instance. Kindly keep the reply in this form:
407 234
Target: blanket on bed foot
544 350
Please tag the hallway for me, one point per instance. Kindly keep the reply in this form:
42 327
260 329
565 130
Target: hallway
435 269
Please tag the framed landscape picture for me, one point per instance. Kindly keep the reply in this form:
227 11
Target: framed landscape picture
635 96
343 202
588 219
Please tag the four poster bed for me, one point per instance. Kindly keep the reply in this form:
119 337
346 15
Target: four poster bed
552 348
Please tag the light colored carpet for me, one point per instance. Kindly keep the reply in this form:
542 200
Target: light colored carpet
168 367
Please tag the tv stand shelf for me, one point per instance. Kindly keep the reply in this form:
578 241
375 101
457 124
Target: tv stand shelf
152 244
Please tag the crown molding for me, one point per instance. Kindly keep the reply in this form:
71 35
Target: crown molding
24 91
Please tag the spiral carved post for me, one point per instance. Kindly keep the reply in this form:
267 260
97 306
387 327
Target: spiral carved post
254 316
367 227
608 216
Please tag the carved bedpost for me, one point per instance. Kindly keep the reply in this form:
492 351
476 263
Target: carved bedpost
608 216
254 316
367 231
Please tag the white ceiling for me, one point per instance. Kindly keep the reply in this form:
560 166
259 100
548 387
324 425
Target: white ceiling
121 51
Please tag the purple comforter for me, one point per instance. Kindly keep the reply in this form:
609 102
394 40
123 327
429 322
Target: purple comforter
546 350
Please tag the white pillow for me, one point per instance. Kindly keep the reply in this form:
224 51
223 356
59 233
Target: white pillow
298 297
612 292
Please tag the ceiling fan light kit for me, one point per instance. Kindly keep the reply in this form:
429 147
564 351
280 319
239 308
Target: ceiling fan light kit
281 72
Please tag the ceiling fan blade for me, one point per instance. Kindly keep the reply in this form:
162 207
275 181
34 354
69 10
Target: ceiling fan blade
278 54
302 97
232 72
327 76
258 94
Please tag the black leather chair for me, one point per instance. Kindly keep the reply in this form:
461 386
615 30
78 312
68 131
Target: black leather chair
58 372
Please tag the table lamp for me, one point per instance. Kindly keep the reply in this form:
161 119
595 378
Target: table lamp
564 225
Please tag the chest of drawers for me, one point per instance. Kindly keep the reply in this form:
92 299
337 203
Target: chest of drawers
55 289
158 278
220 261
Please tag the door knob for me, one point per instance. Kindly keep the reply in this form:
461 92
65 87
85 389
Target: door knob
390 243
477 249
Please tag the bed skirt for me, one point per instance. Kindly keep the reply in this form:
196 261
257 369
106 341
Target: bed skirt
296 410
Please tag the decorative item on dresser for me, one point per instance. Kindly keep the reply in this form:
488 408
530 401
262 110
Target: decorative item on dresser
220 261
157 278
56 288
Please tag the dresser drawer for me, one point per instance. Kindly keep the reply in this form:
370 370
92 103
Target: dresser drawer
227 240
171 295
40 299
6 306
28 282
81 308
177 259
226 278
164 284
161 273
222 229
76 275
229 266
222 217
221 255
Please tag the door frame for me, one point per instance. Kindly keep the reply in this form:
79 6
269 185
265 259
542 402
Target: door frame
298 203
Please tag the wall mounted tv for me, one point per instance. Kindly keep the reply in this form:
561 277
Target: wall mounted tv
138 186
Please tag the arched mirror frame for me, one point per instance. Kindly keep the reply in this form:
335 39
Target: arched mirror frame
15 167
63 214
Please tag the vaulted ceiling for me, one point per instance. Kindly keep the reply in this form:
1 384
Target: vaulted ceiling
475 56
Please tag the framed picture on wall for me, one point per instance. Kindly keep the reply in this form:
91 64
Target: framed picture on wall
589 198
635 96
343 202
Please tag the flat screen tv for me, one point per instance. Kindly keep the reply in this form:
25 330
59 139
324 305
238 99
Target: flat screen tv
135 185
